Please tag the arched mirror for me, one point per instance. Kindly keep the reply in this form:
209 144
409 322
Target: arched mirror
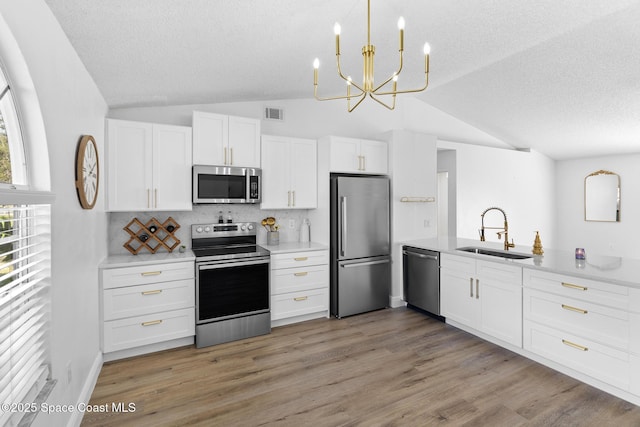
602 196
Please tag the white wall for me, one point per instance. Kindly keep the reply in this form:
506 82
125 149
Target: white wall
521 183
606 238
412 167
71 106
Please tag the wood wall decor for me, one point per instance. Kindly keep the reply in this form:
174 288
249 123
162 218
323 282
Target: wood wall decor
152 235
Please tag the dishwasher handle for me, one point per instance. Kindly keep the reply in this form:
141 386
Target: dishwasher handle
433 257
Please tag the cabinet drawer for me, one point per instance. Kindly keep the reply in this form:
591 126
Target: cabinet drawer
142 330
501 272
145 299
593 359
299 279
299 303
140 275
458 263
573 287
299 259
602 324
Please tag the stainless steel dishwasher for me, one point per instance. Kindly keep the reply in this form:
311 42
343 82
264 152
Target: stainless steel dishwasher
421 279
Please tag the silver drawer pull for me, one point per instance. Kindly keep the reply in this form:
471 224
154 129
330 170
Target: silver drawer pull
572 286
574 345
151 273
152 322
300 298
302 258
302 273
157 291
577 310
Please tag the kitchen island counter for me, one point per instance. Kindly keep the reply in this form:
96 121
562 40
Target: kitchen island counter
615 270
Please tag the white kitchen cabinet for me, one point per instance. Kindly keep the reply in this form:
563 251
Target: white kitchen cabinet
483 295
225 140
289 173
148 166
582 324
299 286
148 305
349 155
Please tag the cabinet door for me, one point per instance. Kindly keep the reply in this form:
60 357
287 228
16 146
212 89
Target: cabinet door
374 157
501 307
244 142
458 297
275 173
344 155
129 165
210 138
304 176
172 167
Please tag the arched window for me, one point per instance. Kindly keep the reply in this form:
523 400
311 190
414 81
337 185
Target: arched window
24 270
12 161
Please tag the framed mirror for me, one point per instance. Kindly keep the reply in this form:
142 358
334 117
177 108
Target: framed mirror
602 196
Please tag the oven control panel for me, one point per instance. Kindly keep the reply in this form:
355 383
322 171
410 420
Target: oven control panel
222 230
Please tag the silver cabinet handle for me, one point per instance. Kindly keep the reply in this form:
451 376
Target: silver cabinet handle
477 288
293 198
231 151
148 198
364 163
225 155
471 287
155 198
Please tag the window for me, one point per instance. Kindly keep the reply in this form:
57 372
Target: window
24 274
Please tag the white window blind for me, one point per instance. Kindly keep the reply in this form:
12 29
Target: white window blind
25 253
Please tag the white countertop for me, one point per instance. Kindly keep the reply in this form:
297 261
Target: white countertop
129 260
288 247
616 270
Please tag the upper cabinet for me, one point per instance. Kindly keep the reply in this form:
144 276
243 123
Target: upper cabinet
148 166
351 155
225 140
289 172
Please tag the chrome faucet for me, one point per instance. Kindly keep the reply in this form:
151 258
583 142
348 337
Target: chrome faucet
504 229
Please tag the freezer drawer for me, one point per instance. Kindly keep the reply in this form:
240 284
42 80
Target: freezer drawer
362 285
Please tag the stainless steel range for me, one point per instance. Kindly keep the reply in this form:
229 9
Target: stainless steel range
232 283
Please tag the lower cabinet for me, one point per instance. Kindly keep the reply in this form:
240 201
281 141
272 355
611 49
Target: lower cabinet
148 305
299 286
483 295
582 324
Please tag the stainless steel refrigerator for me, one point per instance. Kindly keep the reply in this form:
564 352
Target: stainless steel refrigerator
360 244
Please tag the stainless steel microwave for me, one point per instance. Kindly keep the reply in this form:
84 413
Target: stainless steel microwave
226 184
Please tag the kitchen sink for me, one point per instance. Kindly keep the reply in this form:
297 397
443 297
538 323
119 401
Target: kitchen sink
494 252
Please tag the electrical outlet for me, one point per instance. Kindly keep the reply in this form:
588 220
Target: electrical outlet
292 223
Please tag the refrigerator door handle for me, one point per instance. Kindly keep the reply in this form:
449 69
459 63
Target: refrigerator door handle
343 223
360 264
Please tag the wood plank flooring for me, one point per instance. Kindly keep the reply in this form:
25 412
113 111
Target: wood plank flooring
386 368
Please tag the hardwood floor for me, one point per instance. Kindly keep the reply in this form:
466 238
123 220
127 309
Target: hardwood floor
389 367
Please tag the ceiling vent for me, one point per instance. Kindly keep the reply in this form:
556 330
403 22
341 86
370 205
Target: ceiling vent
274 114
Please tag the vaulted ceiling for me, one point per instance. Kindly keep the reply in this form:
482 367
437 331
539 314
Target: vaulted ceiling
561 77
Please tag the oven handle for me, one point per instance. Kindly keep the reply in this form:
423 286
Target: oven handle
211 265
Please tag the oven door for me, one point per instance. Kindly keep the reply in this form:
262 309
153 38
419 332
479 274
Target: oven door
228 289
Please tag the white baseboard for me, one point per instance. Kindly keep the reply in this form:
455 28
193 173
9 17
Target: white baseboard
87 390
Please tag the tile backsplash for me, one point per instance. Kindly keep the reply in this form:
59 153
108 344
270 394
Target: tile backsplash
203 214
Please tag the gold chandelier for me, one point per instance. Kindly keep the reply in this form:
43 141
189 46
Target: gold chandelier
367 87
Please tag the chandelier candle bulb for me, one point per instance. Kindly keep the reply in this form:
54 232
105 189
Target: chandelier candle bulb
336 30
401 28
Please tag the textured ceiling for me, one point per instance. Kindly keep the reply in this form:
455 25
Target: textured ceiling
562 77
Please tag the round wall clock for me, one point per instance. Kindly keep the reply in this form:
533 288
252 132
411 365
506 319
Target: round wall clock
87 172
